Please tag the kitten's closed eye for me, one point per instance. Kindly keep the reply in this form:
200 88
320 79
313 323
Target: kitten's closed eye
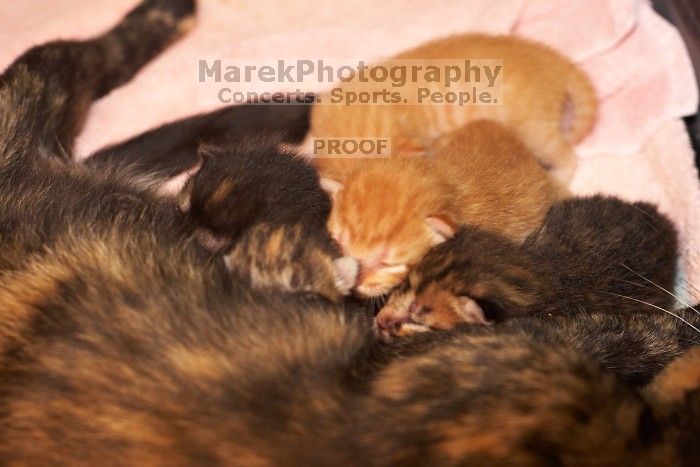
392 268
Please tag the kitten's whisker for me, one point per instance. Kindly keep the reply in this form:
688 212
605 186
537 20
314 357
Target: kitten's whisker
634 283
657 307
688 286
678 299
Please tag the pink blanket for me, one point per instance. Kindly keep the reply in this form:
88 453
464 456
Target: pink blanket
638 150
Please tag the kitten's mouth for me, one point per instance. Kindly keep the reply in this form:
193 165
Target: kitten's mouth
388 329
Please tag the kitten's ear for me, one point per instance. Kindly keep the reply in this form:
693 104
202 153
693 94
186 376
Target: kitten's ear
184 198
210 241
441 228
469 310
331 186
678 380
345 270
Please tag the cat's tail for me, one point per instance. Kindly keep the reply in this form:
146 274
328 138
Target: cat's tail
45 94
583 106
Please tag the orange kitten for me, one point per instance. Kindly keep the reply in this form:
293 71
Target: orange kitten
387 213
546 99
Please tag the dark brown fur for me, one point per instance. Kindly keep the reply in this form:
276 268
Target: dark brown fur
291 258
120 345
264 208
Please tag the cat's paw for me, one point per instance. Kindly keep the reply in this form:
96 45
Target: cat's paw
346 270
180 13
178 9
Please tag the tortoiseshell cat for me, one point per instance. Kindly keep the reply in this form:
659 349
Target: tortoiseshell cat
547 101
120 345
591 254
291 258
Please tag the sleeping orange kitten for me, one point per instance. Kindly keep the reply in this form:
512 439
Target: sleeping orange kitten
546 100
387 213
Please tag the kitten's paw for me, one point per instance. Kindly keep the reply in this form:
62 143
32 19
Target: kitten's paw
564 170
345 270
562 177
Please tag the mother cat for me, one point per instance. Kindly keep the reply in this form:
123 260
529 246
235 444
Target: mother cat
120 346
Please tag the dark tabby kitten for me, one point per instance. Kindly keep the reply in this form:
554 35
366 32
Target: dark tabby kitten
291 258
595 254
264 207
119 345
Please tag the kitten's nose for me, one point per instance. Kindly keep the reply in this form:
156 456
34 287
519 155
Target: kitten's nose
361 272
389 324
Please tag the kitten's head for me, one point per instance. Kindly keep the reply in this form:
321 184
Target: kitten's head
256 182
213 196
432 307
292 258
475 277
387 215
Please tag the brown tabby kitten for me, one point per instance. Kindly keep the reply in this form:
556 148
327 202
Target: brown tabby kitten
388 213
119 345
547 101
591 254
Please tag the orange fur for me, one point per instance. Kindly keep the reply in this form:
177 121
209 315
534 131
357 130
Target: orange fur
539 84
388 212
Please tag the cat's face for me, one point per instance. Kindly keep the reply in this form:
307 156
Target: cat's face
474 277
387 222
434 306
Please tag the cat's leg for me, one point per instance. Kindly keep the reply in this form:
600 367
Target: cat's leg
45 94
172 149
